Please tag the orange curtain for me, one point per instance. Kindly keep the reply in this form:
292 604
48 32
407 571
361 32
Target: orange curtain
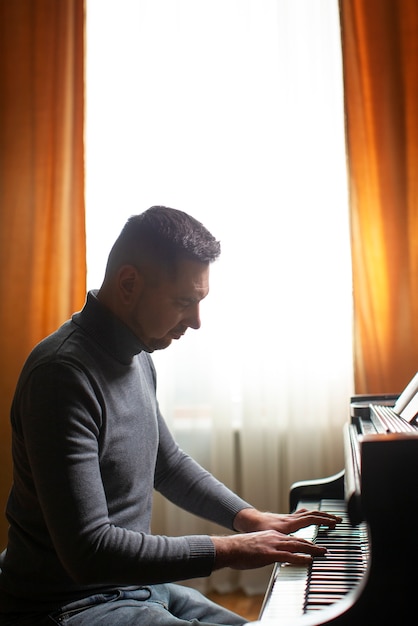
42 233
380 59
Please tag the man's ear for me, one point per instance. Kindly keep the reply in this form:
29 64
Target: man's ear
130 283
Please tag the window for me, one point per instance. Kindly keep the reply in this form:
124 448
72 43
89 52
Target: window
232 110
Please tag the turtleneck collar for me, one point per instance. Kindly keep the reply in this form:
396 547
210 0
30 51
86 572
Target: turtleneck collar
108 330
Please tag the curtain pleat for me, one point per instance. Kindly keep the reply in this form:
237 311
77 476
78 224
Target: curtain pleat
380 58
42 221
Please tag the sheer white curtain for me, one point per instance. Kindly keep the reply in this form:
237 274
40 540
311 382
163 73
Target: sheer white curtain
232 110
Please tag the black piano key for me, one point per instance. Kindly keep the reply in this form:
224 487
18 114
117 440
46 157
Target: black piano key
337 575
328 589
324 598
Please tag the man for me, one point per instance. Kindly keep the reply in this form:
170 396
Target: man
90 445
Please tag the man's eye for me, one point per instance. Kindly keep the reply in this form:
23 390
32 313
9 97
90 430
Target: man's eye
183 304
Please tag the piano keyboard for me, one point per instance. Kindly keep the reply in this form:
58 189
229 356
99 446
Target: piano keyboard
295 590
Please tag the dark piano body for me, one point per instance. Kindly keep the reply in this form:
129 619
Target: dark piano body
378 492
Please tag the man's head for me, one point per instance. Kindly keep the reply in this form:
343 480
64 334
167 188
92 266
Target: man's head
157 274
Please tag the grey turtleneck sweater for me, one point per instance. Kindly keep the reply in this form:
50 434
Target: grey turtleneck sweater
89 447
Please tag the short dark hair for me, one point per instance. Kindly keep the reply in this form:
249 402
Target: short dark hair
162 236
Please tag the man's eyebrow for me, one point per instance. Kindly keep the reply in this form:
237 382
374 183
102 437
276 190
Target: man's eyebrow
189 299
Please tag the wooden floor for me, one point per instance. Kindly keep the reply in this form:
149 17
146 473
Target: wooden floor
247 606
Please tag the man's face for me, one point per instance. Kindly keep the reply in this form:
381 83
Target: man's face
163 311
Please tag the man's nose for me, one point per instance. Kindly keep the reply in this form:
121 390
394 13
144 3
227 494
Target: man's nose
193 318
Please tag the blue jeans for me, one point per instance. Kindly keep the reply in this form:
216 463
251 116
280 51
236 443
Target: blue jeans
157 605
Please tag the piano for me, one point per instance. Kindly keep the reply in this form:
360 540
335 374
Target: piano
370 574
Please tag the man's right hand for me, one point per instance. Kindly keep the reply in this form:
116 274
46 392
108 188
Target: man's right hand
252 550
